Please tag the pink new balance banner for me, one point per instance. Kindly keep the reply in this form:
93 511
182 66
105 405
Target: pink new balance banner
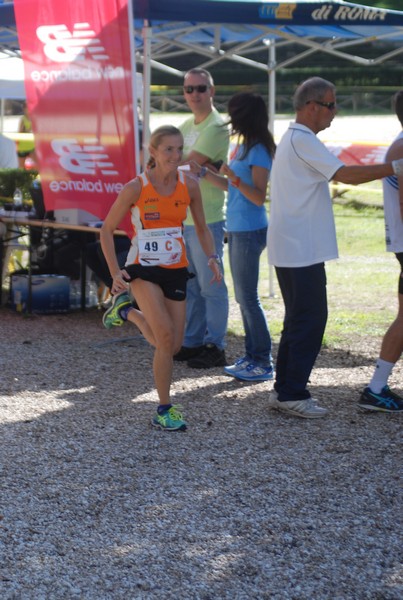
79 87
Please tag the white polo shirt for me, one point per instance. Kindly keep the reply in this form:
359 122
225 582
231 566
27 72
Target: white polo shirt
301 225
393 218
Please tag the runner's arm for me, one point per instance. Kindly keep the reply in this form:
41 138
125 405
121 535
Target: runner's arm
126 198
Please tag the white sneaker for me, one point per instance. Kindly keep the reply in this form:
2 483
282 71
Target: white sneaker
273 399
307 409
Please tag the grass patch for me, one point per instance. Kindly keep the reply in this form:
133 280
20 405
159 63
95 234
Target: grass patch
360 229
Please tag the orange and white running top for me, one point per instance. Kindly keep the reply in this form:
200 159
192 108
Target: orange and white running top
157 223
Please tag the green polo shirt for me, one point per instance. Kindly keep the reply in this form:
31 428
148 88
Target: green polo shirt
210 137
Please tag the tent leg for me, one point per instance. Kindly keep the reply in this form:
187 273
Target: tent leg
147 31
135 94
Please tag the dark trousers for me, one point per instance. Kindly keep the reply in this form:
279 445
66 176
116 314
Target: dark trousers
304 294
97 262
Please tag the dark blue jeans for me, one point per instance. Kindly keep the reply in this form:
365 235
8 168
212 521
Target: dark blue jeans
304 294
245 248
206 302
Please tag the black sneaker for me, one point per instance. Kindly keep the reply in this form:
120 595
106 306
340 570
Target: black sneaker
186 353
386 401
210 357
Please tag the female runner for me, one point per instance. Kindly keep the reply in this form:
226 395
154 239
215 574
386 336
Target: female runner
156 266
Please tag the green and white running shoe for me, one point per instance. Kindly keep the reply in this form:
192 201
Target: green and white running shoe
111 317
170 420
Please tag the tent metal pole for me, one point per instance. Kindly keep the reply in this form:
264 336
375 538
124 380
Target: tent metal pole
134 88
147 31
272 116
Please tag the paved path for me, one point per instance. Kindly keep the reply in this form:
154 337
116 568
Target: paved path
379 129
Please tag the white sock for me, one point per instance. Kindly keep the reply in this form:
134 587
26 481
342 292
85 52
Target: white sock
381 375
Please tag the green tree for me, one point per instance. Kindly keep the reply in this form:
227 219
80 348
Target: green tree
392 4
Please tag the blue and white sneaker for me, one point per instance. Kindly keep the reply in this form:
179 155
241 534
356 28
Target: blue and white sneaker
255 373
385 401
238 365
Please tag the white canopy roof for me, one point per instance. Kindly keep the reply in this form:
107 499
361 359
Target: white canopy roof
11 77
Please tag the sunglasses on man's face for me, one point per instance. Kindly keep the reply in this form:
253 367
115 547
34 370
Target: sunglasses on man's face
329 105
189 89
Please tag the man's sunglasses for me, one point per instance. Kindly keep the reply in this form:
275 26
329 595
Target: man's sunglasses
189 89
329 105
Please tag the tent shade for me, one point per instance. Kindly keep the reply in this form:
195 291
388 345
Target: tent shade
322 19
211 31
265 13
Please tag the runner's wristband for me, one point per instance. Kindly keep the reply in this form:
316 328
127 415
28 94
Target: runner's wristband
236 182
397 166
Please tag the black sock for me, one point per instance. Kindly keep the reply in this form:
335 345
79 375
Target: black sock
163 408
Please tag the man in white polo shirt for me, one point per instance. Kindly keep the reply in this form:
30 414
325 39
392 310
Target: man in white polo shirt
302 236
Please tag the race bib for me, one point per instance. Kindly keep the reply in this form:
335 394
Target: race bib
159 246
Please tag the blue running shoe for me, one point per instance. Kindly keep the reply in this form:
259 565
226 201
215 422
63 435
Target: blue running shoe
111 317
386 401
170 420
255 373
239 365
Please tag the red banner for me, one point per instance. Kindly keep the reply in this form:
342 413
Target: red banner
356 153
79 85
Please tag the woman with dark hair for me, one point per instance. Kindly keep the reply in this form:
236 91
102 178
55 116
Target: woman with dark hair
246 178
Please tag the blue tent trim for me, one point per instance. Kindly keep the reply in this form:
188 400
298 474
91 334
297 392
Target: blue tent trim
191 21
266 13
300 18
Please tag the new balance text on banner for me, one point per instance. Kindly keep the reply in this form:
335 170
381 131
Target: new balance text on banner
78 79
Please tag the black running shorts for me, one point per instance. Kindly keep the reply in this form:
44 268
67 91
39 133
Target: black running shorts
171 281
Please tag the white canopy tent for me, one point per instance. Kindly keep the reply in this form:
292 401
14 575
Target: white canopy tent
11 81
11 77
214 31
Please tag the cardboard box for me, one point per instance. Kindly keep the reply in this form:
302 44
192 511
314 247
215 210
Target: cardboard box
50 293
73 216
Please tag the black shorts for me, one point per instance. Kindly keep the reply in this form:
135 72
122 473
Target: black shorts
171 281
25 153
399 256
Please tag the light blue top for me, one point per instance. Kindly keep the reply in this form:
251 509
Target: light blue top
242 214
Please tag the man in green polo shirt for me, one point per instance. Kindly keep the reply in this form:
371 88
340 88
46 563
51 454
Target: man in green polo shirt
206 141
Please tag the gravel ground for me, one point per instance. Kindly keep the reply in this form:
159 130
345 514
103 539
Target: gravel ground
246 504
